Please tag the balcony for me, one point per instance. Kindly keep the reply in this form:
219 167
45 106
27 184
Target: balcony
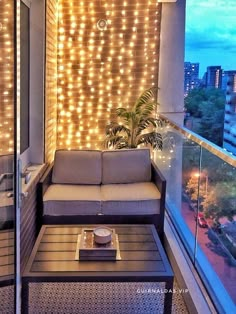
201 206
196 171
200 184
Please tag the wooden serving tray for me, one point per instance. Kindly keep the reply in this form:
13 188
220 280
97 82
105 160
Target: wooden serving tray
90 250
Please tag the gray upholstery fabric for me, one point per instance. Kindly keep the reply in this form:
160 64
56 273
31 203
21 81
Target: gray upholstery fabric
7 211
6 166
126 166
77 167
125 190
66 199
130 199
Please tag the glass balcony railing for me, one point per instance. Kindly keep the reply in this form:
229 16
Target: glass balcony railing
201 201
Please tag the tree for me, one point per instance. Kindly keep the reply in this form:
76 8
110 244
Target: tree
218 170
193 191
212 123
192 101
137 126
206 106
220 202
198 96
218 198
210 206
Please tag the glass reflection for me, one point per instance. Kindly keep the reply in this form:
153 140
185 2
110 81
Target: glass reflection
201 201
218 208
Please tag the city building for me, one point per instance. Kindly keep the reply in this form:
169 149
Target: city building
229 141
191 76
65 67
227 77
213 77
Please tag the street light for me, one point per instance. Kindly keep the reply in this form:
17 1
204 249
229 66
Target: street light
197 175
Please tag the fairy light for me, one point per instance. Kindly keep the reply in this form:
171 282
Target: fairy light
7 77
102 68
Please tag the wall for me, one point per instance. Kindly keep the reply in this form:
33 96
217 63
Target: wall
37 59
100 69
171 67
51 80
7 77
34 153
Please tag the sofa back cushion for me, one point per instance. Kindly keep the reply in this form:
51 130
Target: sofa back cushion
6 166
77 167
126 166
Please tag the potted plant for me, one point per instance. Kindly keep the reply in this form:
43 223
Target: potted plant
136 126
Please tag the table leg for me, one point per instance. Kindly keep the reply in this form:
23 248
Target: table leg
25 298
168 297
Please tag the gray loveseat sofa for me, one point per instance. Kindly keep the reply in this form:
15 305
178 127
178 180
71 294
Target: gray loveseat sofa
113 186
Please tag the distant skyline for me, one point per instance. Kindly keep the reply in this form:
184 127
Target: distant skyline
211 33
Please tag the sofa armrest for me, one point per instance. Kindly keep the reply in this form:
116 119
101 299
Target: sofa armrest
42 186
160 182
46 180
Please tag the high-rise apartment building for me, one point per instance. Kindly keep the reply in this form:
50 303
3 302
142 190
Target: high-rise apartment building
229 79
213 77
191 76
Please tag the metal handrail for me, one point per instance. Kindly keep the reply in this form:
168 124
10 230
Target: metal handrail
7 175
214 149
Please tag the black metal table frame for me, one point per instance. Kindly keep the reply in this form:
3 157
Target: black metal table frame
37 277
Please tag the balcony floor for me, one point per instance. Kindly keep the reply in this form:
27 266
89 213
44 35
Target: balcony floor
126 298
85 298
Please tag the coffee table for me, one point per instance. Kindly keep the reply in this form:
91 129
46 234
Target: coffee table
142 260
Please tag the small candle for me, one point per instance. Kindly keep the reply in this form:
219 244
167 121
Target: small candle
102 235
103 232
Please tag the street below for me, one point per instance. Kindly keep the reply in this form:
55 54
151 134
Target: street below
213 252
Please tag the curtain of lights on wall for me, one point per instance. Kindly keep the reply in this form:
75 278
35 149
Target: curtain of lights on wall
51 80
108 54
7 77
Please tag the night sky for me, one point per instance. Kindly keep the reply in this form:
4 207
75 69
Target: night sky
211 33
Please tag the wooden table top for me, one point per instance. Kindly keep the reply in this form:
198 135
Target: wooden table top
142 256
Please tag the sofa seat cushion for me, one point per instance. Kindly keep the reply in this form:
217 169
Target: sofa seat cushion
67 199
130 199
77 167
126 166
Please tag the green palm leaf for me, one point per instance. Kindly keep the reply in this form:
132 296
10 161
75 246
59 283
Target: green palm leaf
148 110
116 141
124 114
122 144
114 128
121 112
153 138
129 133
145 98
148 122
144 123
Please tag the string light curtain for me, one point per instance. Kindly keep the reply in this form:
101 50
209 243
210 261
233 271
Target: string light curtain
7 77
108 54
51 80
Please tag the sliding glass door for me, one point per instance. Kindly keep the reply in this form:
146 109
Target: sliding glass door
8 157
